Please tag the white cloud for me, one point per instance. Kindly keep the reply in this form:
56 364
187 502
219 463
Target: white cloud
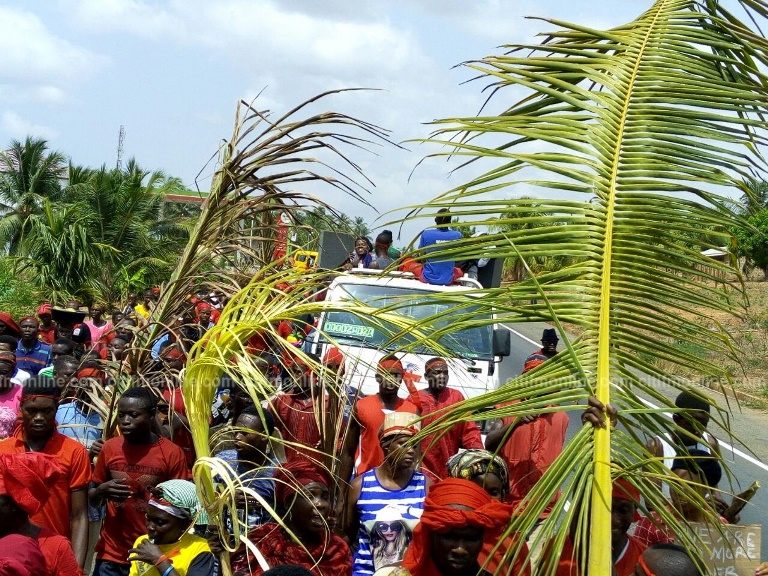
134 16
36 63
16 127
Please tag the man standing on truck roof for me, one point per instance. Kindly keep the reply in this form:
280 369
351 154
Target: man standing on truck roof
368 416
437 271
549 342
435 400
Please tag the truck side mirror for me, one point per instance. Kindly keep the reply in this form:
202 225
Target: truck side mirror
501 342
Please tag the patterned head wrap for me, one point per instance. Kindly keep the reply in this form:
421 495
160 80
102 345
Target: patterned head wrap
399 424
25 478
472 463
179 498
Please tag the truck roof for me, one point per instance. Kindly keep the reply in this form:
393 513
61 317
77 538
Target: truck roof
401 280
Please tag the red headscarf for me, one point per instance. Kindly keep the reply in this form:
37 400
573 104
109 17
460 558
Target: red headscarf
21 556
8 357
624 490
440 516
25 478
389 364
92 372
44 309
8 320
202 306
292 475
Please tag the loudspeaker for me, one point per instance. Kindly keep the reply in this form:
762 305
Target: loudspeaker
334 249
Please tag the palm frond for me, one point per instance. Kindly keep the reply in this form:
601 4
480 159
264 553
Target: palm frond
645 128
265 158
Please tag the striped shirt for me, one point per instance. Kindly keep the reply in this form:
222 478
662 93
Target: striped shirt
33 359
387 519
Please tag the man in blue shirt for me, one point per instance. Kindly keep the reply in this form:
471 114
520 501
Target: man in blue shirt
438 271
31 354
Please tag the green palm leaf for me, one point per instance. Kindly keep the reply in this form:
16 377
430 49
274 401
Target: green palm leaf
645 128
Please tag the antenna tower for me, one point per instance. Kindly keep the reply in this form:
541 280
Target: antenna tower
120 140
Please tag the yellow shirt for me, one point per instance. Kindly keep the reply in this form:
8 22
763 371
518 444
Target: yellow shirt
181 553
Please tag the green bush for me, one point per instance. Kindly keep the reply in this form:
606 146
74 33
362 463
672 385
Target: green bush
17 294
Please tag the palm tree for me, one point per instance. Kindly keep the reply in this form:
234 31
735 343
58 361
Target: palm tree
112 223
359 227
648 126
29 175
56 252
756 196
123 209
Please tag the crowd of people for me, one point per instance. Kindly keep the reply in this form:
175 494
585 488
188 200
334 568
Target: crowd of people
438 507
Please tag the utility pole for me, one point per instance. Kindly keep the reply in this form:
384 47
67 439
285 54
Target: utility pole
120 140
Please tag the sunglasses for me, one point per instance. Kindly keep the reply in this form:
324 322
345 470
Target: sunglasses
389 526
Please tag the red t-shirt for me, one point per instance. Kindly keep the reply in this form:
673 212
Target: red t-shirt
181 437
463 435
530 451
370 415
72 458
140 466
59 558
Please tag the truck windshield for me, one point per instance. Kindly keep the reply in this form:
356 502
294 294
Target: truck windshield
348 328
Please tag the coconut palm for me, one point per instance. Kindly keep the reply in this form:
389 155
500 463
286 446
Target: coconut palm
29 174
645 128
123 209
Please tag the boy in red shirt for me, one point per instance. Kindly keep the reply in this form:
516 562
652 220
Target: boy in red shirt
368 415
65 512
127 466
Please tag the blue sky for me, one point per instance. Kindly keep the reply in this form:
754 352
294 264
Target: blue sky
172 71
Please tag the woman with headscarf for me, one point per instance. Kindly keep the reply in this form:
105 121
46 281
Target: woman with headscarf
169 548
489 471
302 493
24 481
448 540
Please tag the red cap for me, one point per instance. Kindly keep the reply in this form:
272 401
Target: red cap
44 309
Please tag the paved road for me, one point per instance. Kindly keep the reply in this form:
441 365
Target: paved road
749 426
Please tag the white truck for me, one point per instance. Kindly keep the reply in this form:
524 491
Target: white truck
471 353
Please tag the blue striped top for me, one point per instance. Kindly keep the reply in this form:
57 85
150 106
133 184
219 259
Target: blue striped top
387 519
